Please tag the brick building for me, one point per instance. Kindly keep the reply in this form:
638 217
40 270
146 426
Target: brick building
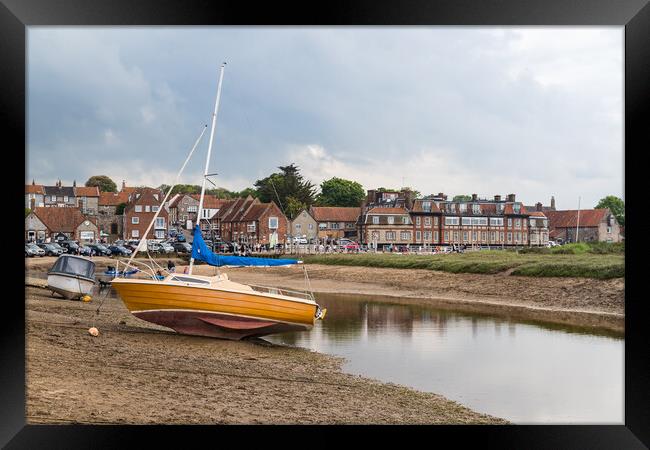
110 217
60 223
335 222
247 220
183 209
143 203
592 225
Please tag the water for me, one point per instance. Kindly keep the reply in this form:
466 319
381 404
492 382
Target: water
523 372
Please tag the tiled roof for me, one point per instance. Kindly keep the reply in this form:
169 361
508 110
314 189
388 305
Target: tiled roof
379 210
569 218
255 212
335 213
61 219
83 191
510 209
34 189
209 201
59 191
417 206
112 199
537 214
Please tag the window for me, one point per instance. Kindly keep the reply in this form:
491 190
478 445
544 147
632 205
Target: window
456 236
427 221
426 206
474 236
509 236
405 220
492 235
464 235
334 226
509 222
298 227
160 234
154 208
476 208
417 221
251 227
517 236
482 221
155 196
405 235
467 221
65 198
391 220
322 226
446 236
418 236
138 208
517 223
311 226
496 221
435 236
390 235
189 280
463 207
609 230
427 235
349 225
273 223
435 221
375 220
375 236
525 237
147 208
135 233
192 208
135 220
53 198
160 222
501 235
451 220
545 222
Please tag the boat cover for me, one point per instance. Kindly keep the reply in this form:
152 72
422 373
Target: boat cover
74 265
201 252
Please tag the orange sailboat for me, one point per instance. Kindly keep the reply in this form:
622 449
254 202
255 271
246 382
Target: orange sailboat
214 306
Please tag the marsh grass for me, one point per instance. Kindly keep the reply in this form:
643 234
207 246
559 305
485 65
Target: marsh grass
587 265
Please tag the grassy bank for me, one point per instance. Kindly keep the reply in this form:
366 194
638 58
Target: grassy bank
588 265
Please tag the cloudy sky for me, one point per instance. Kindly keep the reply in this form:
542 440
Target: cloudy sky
531 111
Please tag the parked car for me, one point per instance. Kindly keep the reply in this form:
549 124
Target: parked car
155 247
172 232
50 250
85 250
99 250
351 246
70 245
119 242
182 247
119 250
167 247
180 237
299 240
31 251
60 247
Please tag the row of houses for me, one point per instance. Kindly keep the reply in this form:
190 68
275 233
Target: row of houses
384 219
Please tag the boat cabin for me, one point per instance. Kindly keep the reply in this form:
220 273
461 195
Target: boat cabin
74 266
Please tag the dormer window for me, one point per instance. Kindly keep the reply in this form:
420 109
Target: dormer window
476 208
463 207
391 220
155 196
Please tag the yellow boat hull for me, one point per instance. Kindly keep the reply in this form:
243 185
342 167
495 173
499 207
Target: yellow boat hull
214 312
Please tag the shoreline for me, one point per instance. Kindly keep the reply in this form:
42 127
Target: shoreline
135 372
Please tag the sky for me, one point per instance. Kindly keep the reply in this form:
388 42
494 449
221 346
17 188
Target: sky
537 111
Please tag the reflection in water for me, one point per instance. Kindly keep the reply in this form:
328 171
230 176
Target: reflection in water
523 372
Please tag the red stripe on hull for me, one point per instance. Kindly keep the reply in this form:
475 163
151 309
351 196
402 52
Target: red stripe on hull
216 325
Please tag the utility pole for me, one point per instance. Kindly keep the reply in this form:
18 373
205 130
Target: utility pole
578 221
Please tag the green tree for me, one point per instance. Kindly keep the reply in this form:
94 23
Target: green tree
104 183
279 186
119 209
293 207
615 205
462 198
246 192
340 192
27 211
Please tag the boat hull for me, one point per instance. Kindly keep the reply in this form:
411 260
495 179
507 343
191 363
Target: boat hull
211 312
69 286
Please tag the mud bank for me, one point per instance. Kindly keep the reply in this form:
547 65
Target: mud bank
137 373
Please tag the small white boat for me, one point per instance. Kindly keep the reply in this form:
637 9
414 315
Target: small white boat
71 276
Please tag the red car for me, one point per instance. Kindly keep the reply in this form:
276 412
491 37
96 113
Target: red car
351 246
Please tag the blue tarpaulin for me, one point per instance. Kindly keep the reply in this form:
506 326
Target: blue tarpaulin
201 252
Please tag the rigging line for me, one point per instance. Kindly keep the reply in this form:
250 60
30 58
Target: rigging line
169 191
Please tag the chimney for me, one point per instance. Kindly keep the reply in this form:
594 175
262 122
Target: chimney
473 197
553 203
538 206
511 197
123 184
32 204
33 182
497 198
74 183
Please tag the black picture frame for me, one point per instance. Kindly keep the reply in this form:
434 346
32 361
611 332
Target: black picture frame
634 15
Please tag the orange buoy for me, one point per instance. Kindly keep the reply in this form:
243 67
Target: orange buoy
93 331
86 298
